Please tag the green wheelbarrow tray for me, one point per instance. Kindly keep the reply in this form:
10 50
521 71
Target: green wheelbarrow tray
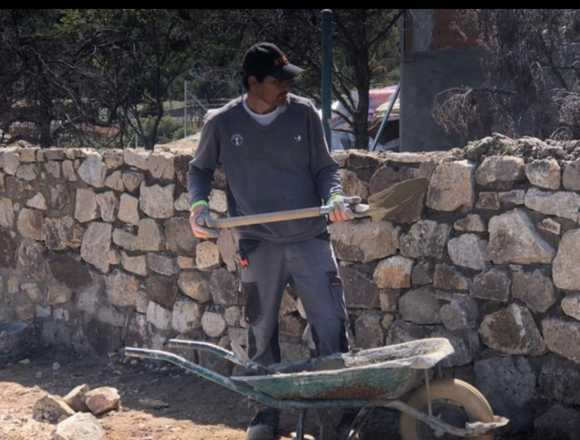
388 372
387 377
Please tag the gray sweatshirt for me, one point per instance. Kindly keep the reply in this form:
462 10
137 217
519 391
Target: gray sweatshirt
284 165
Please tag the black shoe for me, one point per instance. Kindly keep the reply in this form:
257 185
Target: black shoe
264 425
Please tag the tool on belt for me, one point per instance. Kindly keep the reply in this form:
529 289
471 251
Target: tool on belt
388 201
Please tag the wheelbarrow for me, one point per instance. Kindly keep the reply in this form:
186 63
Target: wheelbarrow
394 376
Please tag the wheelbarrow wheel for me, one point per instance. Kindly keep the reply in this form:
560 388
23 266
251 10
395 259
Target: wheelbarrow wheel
454 401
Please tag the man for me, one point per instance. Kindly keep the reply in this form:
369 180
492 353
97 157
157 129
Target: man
271 145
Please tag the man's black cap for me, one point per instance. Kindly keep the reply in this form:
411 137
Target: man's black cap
267 59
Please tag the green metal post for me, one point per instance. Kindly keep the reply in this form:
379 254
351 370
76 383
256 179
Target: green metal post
326 91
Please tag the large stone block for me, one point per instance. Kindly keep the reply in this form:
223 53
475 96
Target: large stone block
359 289
157 201
85 205
161 165
186 315
393 272
533 288
460 313
96 245
122 289
558 423
179 238
364 240
367 330
468 250
509 385
500 172
108 204
513 239
559 380
512 330
493 285
565 266
6 213
558 333
560 203
162 290
450 278
30 223
195 284
93 170
426 238
224 287
213 323
452 186
82 426
420 306
544 173
571 177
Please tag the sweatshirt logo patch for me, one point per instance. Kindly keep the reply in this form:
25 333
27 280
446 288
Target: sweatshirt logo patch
237 140
298 138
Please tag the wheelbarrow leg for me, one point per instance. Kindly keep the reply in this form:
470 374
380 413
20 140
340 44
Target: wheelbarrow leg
300 425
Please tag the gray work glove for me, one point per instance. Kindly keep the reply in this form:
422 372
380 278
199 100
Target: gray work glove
198 222
340 210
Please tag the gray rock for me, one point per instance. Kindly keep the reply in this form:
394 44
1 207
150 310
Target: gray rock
512 198
6 213
96 245
51 409
571 305
30 223
565 266
129 209
363 240
161 290
509 385
470 223
195 284
368 331
157 201
149 236
488 200
186 315
512 330
560 203
115 181
135 264
113 158
207 256
179 238
393 272
37 202
452 186
468 250
559 380
352 185
107 203
161 165
75 397
533 288
132 180
161 264
16 339
93 171
558 333
493 285
558 423
227 244
420 306
500 171
217 201
102 399
213 324
544 173
81 426
426 238
571 177
26 172
85 205
122 289
513 239
136 157
159 316
450 278
360 291
422 273
224 287
461 313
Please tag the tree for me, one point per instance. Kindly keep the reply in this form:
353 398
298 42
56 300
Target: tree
365 51
531 73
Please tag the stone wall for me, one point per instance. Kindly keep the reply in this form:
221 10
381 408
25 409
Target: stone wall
96 250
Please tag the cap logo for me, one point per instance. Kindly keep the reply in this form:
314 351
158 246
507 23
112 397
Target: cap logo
282 61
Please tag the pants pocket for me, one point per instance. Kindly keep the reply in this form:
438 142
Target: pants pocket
252 299
337 293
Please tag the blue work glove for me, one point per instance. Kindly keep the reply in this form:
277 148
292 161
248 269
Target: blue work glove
340 210
198 221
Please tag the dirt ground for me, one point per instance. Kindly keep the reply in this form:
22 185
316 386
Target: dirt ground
158 401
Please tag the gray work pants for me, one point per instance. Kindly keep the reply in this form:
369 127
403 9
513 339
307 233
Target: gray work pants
311 267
